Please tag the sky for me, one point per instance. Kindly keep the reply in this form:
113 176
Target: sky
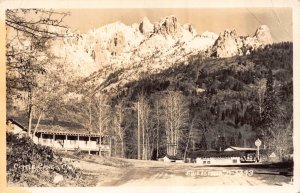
244 20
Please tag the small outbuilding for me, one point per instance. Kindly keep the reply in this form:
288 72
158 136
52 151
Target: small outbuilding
15 127
233 148
169 158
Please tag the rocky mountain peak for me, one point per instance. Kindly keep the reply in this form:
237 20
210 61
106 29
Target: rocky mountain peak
167 26
227 44
229 33
263 35
151 46
230 44
146 26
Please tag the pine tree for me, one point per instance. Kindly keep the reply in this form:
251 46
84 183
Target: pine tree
269 113
221 143
240 139
223 116
232 141
203 142
236 121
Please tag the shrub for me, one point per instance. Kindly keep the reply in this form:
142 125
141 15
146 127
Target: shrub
27 161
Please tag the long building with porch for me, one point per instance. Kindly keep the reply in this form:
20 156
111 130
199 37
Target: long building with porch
66 136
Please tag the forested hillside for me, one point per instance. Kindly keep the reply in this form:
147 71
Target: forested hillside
216 102
231 101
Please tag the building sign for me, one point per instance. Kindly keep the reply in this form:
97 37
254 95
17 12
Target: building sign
258 143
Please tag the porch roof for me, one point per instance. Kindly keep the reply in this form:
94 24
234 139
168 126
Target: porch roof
59 127
59 130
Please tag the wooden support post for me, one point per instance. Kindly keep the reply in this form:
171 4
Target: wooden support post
100 146
77 141
53 140
42 139
66 143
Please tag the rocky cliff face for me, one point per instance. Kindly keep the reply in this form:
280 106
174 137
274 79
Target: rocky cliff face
122 46
146 27
263 35
116 43
230 44
146 47
169 25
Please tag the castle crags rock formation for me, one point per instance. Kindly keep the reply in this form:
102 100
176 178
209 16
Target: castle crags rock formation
230 44
146 47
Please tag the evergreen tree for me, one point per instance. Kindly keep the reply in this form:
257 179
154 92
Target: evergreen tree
240 139
203 143
223 116
232 141
213 144
236 121
221 143
269 113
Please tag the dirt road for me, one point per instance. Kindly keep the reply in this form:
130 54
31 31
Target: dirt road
152 173
176 175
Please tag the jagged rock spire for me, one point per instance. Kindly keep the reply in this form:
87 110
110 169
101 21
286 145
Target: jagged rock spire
146 26
263 35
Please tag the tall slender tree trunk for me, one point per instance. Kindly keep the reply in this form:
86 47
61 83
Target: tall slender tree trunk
139 152
29 113
157 130
143 138
188 141
115 144
122 148
30 121
143 129
37 124
90 115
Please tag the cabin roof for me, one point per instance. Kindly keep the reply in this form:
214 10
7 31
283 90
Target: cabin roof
16 123
204 154
59 130
172 157
233 148
58 127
